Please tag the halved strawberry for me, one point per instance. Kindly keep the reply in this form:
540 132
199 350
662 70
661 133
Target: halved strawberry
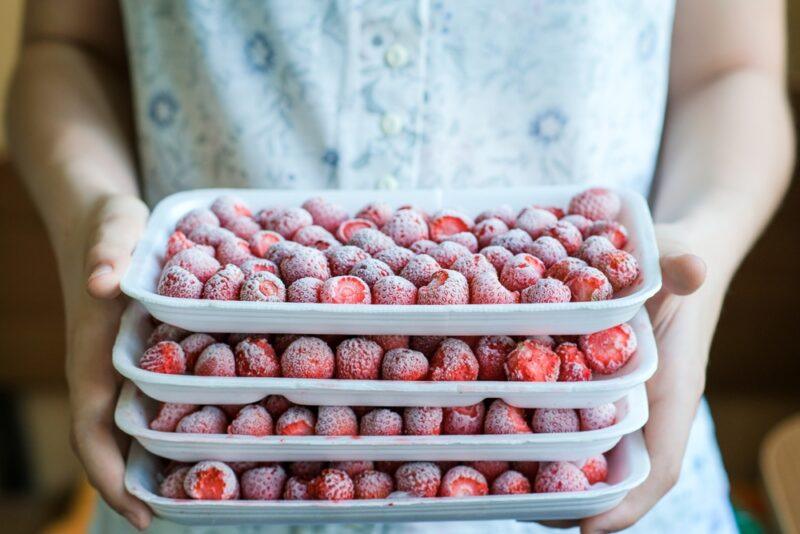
532 362
345 290
351 226
608 350
448 223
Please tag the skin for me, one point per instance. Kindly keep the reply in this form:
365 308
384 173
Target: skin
727 142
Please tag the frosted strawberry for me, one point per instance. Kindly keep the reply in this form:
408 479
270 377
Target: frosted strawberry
497 256
445 287
504 212
404 364
510 483
394 290
420 270
304 290
592 247
227 207
521 271
453 361
608 350
225 284
515 240
332 485
546 290
336 421
252 420
282 250
177 282
169 414
598 417
216 360
567 234
305 262
574 367
287 221
611 230
372 485
427 345
423 421
535 221
490 469
353 467
166 332
579 221
164 357
371 270
177 242
595 468
463 481
560 477
210 480
551 420
487 289
381 422
447 252
589 284
564 269
532 362
276 405
243 227
325 213
307 357
620 267
235 251
377 212
473 265
263 483
406 227
261 241
343 258
350 226
391 341
255 357
196 218
172 485
465 239
358 358
297 489
210 235
345 290
491 354
548 249
423 246
306 470
208 420
420 479
449 222
487 229
315 237
596 203
395 257
544 341
296 421
263 287
463 420
372 241
502 418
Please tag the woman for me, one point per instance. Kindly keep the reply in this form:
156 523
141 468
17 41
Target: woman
412 94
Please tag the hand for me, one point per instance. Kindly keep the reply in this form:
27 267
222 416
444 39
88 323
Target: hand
683 325
92 321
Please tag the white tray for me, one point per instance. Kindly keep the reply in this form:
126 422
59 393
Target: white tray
629 466
135 410
135 327
512 319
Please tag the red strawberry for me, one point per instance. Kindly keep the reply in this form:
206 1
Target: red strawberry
345 290
532 362
608 350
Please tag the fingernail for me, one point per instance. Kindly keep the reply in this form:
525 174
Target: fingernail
101 270
134 520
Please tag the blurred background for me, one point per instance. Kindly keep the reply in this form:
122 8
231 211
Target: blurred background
753 385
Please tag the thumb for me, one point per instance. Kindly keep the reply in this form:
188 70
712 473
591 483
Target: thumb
120 222
683 273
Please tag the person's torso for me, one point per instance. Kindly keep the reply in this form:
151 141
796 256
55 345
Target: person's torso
397 93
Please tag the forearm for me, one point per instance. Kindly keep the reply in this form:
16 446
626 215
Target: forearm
69 140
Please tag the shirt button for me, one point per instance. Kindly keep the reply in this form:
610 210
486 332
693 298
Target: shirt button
396 56
387 182
391 124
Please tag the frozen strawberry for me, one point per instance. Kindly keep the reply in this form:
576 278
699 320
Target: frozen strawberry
546 290
564 269
263 287
304 290
216 360
381 422
532 362
608 350
503 212
543 340
243 227
502 418
447 252
350 226
177 242
226 284
464 420
567 234
207 420
389 341
252 420
307 357
555 210
486 288
281 342
327 214
547 249
449 222
371 241
296 421
276 405
210 235
491 469
559 477
423 246
521 271
164 357
287 221
332 485
510 483
420 270
371 270
592 247
377 212
336 421
497 256
425 421
345 290
169 414
453 361
465 239
598 417
535 221
445 287
211 480
257 265
596 203
395 257
315 237
172 485
611 230
427 345
282 250
305 262
166 332
255 357
551 420
193 345
420 479
589 284
516 240
620 267
196 218
261 241
228 207
487 229
394 290
473 265
343 258
404 364
372 485
579 221
265 216
177 282
235 251
358 358
529 469
306 470
491 354
353 467
263 483
297 489
574 367
463 481
595 468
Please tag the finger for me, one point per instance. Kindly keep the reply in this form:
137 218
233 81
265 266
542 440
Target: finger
120 223
682 273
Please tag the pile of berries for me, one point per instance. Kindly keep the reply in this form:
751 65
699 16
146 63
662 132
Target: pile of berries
318 253
275 415
361 479
391 357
